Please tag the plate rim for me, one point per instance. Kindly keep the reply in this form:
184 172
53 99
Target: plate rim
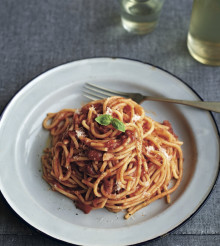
29 83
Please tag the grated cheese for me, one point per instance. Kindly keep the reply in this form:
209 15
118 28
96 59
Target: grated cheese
78 111
150 149
80 133
146 194
92 107
165 153
108 111
118 186
146 184
136 118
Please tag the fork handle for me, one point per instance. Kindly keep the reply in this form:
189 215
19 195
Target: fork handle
211 106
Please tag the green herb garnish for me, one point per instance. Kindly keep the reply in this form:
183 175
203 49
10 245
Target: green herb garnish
106 119
117 124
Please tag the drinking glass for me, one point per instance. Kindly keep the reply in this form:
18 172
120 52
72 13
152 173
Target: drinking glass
140 16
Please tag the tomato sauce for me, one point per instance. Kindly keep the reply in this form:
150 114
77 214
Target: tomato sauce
95 155
89 169
111 144
85 208
108 186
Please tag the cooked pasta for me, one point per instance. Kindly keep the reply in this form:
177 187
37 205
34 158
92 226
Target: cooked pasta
100 166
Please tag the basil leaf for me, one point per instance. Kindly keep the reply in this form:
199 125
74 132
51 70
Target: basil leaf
104 119
117 124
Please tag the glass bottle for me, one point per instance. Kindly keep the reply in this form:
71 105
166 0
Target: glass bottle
203 39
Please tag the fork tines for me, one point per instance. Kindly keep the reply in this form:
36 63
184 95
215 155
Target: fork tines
95 92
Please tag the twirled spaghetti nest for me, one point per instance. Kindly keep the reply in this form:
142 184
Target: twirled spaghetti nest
99 166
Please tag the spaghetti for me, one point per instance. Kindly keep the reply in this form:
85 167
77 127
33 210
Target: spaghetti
99 166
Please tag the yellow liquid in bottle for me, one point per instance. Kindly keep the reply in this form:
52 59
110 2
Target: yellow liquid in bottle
204 33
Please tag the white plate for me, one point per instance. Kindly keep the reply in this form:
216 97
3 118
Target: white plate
22 140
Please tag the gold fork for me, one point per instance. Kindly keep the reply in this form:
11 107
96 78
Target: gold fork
95 92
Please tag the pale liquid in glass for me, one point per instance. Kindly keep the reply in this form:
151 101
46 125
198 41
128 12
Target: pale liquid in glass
204 32
140 16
